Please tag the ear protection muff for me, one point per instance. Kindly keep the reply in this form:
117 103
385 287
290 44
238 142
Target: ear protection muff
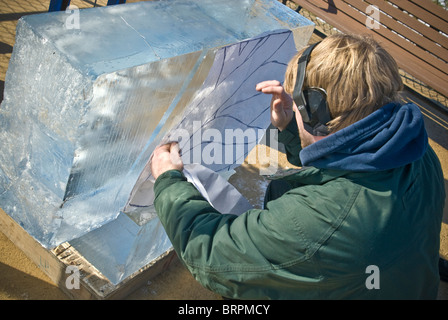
311 102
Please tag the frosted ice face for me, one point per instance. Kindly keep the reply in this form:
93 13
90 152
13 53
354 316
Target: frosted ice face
84 109
144 32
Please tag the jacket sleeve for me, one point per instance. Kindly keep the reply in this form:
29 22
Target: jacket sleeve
291 139
227 254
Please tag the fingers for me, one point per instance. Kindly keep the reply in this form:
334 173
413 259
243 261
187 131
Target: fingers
175 154
163 148
270 87
277 105
267 83
166 157
171 147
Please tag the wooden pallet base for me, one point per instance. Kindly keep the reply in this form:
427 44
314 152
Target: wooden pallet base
57 264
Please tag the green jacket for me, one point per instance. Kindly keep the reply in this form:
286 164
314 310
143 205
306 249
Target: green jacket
337 234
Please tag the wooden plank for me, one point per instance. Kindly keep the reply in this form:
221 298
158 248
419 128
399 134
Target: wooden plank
55 264
330 14
408 62
430 6
419 12
411 22
405 31
412 65
426 57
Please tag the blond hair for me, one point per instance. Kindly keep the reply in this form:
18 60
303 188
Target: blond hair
358 75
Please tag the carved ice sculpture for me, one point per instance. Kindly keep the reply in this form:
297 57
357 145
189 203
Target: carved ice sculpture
84 108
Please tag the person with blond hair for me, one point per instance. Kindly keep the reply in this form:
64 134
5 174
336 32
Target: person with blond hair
360 220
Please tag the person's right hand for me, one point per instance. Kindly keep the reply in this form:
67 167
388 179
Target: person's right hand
166 157
281 103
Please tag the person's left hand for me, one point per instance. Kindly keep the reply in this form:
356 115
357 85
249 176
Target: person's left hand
166 157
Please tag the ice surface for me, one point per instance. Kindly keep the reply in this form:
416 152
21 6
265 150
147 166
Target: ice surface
84 108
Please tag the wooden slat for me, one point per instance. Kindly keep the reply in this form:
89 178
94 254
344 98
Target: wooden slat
422 14
412 65
428 45
430 6
407 61
411 22
343 8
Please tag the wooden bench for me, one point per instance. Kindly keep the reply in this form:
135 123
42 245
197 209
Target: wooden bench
414 32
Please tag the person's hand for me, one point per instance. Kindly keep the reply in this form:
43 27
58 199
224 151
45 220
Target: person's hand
281 103
166 157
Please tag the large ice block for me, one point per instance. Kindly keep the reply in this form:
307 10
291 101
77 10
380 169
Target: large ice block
84 108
